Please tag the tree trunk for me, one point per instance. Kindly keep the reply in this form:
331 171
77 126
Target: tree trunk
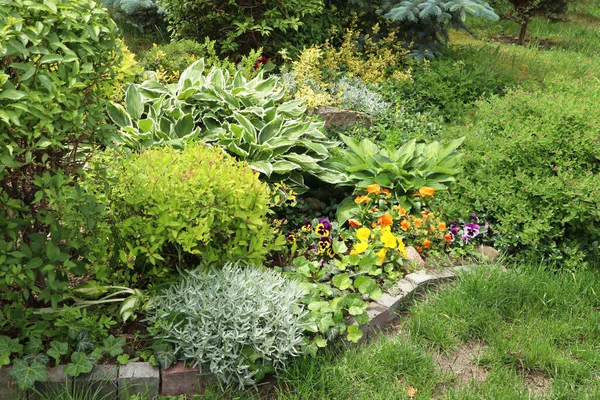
522 33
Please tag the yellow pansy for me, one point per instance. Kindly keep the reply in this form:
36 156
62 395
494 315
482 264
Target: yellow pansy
401 248
381 254
388 240
360 247
363 234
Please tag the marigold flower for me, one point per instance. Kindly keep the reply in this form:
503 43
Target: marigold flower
386 193
442 226
373 189
385 220
388 240
418 222
359 248
362 199
404 225
363 234
426 243
381 254
354 223
426 191
448 237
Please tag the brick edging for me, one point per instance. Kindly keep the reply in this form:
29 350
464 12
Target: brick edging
144 378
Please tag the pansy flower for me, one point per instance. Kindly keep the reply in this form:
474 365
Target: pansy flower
373 189
307 227
363 234
324 244
381 254
426 243
362 199
385 220
426 191
323 228
359 248
404 225
354 223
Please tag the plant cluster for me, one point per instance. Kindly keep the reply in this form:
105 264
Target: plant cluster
167 210
238 25
238 322
53 55
140 14
247 118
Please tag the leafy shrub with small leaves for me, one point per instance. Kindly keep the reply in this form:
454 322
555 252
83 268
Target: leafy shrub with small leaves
169 60
241 323
170 208
247 118
531 166
239 26
53 55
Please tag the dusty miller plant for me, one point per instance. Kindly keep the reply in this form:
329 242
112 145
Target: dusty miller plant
240 322
356 95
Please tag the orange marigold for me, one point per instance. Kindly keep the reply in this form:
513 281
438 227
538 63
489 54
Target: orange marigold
426 191
354 223
374 189
385 220
404 225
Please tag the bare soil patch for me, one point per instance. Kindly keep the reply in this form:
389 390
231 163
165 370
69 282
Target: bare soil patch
463 362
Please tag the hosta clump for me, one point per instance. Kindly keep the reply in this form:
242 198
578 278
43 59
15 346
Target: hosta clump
247 118
239 322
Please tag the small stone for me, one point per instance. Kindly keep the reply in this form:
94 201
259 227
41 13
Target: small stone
138 378
182 380
336 118
378 316
8 387
102 381
57 382
488 252
413 255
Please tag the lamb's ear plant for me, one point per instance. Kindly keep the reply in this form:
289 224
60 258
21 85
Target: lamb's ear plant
247 118
239 322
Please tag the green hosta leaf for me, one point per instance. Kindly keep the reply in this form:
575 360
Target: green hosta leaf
270 130
26 375
342 281
118 114
80 364
113 345
346 210
57 349
264 167
133 100
354 334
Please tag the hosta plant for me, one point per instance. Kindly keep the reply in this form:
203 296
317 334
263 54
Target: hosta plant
247 118
404 170
240 322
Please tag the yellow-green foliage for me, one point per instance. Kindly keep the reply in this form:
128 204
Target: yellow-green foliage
171 208
171 59
317 66
127 71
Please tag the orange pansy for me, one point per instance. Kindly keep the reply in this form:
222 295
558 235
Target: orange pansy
385 220
426 243
404 225
373 189
442 226
448 237
354 223
418 222
426 191
362 199
386 193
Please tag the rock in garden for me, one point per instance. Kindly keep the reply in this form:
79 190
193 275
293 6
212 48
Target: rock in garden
413 255
336 118
489 252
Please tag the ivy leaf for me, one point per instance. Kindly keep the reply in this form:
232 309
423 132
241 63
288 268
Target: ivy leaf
84 344
26 375
367 285
342 281
113 345
4 359
8 345
34 346
320 341
36 358
79 364
57 349
163 353
354 333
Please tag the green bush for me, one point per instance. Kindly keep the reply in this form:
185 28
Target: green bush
239 26
53 54
241 323
446 86
531 164
247 118
170 208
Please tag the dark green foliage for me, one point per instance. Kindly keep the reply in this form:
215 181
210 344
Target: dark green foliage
239 25
531 164
446 87
524 10
53 54
170 209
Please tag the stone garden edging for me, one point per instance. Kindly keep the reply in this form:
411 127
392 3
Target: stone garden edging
144 378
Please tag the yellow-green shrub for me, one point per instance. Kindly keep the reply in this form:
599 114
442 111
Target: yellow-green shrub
171 208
